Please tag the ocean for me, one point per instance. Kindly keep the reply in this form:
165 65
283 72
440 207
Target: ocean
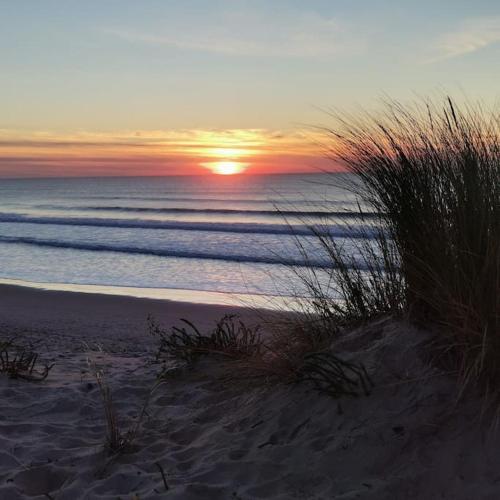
198 238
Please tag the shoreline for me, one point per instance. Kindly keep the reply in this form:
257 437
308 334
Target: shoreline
91 315
195 297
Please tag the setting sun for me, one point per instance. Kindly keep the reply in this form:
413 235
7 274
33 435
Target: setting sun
226 167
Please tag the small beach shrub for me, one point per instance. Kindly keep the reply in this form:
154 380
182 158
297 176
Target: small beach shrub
290 356
231 338
432 174
21 362
334 376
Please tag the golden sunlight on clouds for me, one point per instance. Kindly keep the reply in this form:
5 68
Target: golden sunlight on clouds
157 152
230 152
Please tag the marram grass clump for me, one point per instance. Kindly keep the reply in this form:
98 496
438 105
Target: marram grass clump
231 338
432 174
280 357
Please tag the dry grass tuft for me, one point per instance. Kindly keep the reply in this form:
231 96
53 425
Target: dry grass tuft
117 440
291 354
333 376
20 362
230 338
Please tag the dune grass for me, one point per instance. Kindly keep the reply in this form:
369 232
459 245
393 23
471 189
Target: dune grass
291 354
432 174
117 439
429 176
230 338
21 362
353 287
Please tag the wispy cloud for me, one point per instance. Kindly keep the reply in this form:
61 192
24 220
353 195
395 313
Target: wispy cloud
471 36
296 34
192 142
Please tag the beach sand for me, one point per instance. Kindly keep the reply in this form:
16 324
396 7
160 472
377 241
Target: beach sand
204 437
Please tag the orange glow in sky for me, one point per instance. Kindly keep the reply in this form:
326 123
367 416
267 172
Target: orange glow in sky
156 152
162 88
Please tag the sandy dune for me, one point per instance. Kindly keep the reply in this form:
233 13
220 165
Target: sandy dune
221 440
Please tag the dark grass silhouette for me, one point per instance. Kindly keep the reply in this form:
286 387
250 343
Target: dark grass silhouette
432 173
361 282
231 338
289 357
22 362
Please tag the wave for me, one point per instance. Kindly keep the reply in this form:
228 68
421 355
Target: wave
220 211
99 247
338 231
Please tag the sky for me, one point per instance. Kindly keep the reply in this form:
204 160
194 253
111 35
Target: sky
120 87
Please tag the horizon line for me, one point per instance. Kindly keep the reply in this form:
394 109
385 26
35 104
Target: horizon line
208 174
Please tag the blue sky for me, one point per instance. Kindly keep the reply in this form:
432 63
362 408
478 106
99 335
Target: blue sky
108 65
